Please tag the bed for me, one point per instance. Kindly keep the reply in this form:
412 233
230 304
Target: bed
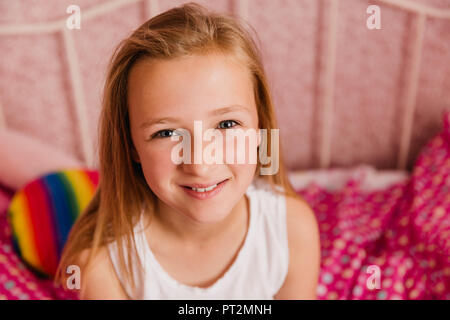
384 224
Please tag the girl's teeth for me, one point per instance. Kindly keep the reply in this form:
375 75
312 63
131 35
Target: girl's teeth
204 189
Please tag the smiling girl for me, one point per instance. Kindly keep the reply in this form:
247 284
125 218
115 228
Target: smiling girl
160 230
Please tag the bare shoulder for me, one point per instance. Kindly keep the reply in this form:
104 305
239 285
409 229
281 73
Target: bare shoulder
304 251
99 280
301 221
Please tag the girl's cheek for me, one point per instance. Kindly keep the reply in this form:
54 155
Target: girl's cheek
240 153
158 157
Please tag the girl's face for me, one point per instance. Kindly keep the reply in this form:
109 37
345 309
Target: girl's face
165 95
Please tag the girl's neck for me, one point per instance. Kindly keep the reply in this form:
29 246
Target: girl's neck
196 235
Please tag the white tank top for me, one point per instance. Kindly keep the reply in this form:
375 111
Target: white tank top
258 271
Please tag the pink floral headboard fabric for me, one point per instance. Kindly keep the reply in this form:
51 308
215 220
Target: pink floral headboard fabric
370 76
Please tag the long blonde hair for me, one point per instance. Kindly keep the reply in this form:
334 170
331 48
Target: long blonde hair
117 203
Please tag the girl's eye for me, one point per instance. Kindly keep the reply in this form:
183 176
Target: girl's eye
227 124
164 134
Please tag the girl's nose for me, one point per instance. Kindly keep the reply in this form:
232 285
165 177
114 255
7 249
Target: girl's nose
201 170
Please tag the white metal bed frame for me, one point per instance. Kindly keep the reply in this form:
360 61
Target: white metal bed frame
151 8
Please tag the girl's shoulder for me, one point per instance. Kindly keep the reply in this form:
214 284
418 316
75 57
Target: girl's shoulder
304 251
99 279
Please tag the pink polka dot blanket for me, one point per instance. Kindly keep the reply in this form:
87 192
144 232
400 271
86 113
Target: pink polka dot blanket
390 243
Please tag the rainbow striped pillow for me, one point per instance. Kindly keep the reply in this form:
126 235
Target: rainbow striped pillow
42 213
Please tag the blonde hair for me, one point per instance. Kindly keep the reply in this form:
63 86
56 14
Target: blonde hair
113 211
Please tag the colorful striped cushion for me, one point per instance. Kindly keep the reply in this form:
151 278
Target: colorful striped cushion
42 213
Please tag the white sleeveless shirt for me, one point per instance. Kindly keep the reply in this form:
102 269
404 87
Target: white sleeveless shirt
258 271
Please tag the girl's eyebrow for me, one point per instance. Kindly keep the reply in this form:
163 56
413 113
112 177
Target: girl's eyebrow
235 107
219 111
156 121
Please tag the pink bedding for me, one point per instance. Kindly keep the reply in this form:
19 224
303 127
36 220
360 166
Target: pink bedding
392 243
402 233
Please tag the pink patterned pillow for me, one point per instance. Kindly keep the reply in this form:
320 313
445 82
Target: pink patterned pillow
430 189
403 231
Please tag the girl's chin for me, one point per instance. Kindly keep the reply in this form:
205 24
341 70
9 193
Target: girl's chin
205 216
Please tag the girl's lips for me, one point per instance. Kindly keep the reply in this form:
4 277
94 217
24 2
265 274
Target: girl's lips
207 194
198 185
